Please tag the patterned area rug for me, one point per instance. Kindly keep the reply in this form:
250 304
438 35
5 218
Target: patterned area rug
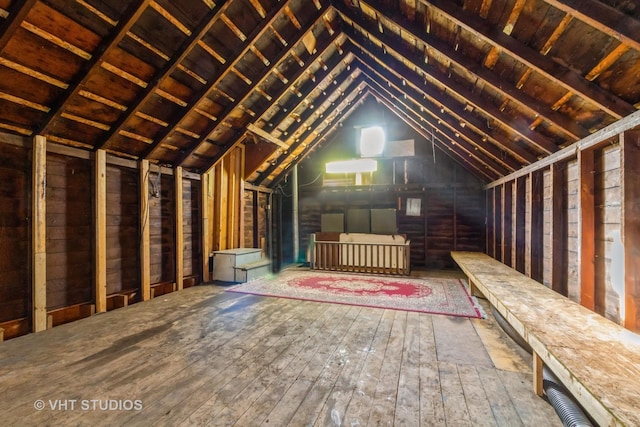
425 295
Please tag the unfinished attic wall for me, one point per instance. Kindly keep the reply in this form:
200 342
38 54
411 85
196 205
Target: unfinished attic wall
586 243
75 259
15 234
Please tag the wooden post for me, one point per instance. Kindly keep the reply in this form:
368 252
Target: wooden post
490 243
630 144
145 249
536 238
507 225
177 179
39 229
241 177
586 162
520 223
100 224
559 225
205 192
538 367
497 223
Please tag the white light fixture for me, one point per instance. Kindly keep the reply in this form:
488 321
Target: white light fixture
352 166
372 140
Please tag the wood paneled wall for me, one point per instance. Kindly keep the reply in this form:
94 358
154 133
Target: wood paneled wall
452 208
68 231
575 223
191 194
122 230
15 211
161 227
71 257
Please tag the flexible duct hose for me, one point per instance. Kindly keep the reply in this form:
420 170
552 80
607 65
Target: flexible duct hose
567 409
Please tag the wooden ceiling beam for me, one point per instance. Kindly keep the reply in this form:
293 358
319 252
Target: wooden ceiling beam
107 45
472 150
308 113
452 151
518 127
17 13
608 20
227 111
328 130
439 120
238 55
169 67
289 108
543 65
528 103
261 133
239 134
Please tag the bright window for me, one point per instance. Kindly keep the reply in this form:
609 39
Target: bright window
372 141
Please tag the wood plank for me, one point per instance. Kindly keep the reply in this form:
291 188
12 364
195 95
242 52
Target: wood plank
507 223
39 242
145 244
179 228
205 194
519 223
537 374
100 231
536 185
564 334
592 141
586 161
630 142
559 227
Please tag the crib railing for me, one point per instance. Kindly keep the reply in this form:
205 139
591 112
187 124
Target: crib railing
383 258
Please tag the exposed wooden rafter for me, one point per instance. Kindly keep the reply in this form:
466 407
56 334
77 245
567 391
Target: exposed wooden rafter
553 71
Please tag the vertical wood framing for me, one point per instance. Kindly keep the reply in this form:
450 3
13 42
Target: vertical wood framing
100 224
536 183
179 237
586 164
145 248
205 192
490 243
232 198
39 228
255 213
220 205
559 227
537 374
507 225
240 194
630 144
497 223
520 221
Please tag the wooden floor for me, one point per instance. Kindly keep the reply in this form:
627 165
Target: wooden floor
203 356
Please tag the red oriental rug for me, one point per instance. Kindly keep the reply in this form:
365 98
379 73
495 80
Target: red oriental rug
425 295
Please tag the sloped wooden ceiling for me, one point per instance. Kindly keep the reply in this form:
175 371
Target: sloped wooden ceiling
496 84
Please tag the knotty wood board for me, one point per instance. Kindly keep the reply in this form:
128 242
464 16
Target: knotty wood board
596 359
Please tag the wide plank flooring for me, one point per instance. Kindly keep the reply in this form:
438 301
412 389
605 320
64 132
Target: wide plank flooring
203 356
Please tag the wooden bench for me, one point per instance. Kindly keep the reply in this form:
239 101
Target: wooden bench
252 270
597 360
